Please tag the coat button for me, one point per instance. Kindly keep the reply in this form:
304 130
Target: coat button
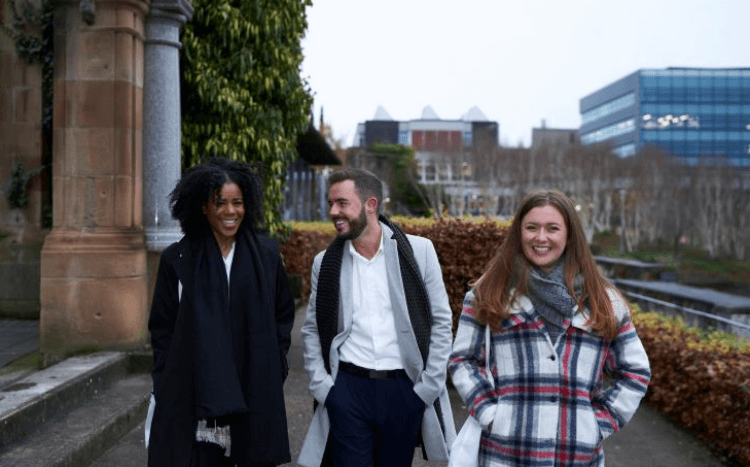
552 357
553 399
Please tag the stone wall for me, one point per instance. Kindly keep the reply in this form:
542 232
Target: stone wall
21 232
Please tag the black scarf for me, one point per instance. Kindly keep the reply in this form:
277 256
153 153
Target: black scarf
417 300
551 299
219 322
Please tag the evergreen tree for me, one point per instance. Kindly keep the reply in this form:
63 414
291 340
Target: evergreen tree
242 95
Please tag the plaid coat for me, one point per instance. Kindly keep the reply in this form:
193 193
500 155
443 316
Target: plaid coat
550 406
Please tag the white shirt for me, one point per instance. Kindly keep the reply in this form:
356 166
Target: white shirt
228 263
373 341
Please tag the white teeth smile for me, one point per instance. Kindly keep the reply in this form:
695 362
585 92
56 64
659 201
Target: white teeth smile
542 249
229 223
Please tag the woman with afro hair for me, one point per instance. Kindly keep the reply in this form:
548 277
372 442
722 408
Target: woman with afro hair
220 323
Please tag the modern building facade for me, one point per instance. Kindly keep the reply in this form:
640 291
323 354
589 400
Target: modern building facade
441 146
443 149
696 114
556 137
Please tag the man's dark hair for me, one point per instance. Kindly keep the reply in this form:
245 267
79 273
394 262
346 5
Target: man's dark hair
365 183
202 183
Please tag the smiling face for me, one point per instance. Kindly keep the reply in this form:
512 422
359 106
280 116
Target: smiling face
225 212
346 210
543 236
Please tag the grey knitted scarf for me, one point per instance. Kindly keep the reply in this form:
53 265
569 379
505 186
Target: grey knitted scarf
551 299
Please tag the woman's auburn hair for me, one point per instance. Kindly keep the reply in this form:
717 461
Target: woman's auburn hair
507 273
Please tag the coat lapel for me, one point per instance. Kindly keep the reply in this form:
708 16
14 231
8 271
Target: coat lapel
345 301
411 357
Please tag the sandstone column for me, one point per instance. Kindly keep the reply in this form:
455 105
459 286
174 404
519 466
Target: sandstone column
93 264
161 119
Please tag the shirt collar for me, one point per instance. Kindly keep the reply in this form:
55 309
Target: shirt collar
356 254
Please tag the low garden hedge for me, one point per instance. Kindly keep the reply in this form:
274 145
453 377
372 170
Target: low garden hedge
700 380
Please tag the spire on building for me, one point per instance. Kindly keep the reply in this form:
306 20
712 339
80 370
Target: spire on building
429 114
474 115
382 114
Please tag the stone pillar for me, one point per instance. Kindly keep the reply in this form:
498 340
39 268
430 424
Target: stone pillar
93 263
161 119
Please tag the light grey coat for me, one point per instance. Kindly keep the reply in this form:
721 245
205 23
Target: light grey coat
428 384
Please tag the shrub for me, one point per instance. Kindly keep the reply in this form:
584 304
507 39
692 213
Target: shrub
299 250
700 380
464 247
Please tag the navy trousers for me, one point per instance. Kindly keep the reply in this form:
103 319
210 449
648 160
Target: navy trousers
374 422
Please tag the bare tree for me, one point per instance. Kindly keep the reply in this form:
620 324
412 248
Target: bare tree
708 199
740 208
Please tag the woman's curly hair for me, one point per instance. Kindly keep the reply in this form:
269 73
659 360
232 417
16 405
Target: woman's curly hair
201 183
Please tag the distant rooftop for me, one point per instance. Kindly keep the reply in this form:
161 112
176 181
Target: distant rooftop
474 114
382 114
429 114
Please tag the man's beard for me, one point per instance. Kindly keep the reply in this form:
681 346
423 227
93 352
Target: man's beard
356 226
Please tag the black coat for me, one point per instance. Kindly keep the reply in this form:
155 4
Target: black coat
260 436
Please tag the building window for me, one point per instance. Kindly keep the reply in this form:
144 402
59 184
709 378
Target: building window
611 131
403 137
443 172
608 108
429 173
669 121
626 150
456 172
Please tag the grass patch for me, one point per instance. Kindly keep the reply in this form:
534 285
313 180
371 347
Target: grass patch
689 262
31 361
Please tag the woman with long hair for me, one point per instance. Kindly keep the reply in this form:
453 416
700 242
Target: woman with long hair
220 323
568 368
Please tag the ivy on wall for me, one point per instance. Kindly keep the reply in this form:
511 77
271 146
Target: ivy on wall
16 186
31 30
242 95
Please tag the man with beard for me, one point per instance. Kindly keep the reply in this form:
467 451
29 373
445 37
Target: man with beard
377 337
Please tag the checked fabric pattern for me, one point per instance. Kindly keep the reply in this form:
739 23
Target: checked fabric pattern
549 406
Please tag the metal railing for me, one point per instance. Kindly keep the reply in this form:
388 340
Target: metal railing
688 310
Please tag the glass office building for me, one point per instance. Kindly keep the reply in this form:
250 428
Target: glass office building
696 114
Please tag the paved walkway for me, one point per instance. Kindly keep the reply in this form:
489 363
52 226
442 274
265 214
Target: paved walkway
649 440
17 338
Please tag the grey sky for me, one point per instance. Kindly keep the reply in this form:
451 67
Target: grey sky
519 61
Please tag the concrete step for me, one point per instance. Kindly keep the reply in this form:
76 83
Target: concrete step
29 402
130 451
69 414
86 432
